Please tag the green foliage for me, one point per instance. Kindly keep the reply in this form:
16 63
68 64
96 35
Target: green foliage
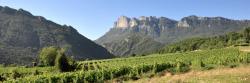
2 78
47 56
36 72
230 39
246 34
93 76
15 74
96 71
197 64
52 56
61 62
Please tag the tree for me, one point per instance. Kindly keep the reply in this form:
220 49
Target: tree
47 56
62 62
246 34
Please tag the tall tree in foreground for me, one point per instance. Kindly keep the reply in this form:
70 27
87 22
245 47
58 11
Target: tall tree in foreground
62 62
47 56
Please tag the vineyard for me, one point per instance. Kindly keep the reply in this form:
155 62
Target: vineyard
129 68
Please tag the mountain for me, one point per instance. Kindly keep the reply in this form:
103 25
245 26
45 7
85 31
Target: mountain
163 31
241 38
132 43
24 35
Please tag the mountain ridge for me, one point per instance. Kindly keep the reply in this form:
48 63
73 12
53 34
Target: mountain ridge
165 30
23 35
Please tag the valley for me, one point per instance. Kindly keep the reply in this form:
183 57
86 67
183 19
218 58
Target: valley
112 42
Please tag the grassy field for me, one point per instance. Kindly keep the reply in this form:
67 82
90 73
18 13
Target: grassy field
134 68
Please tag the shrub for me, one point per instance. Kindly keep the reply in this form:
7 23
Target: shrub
47 56
62 63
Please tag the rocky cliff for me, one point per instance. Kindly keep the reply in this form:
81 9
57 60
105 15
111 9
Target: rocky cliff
164 31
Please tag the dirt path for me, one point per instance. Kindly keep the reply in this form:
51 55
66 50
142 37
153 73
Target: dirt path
244 48
223 75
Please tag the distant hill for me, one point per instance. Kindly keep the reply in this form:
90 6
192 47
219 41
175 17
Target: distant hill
23 35
241 38
163 31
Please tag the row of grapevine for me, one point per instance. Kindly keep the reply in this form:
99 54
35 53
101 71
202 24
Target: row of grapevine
134 67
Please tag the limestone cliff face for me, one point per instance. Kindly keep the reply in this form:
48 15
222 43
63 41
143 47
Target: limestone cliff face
151 26
123 22
164 31
133 22
183 24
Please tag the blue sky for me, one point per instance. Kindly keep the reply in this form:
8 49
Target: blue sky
93 18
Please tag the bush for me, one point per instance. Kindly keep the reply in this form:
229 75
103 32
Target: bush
62 63
47 56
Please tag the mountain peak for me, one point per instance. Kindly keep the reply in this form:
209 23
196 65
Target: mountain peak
163 31
192 16
8 10
11 11
24 12
125 22
24 35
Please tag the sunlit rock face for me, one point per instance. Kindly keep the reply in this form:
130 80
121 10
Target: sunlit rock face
183 24
122 22
135 35
133 22
150 26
